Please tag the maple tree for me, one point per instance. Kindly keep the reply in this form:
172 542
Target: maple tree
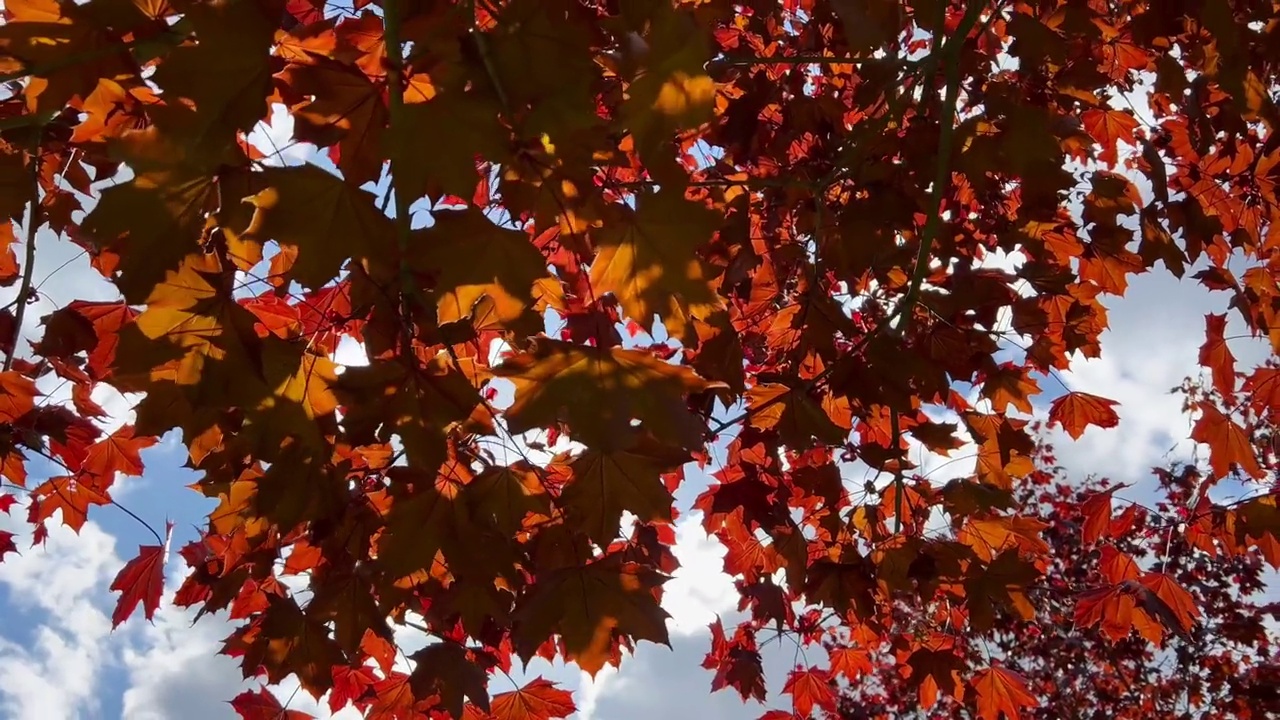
759 238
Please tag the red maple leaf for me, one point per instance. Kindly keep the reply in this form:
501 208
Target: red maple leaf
1076 410
262 705
808 688
141 581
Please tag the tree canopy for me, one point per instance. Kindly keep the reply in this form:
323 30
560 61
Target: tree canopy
585 245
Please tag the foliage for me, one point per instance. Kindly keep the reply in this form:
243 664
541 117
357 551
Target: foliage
1218 661
794 209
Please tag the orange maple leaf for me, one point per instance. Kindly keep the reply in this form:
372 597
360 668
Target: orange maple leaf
1228 443
1075 411
116 453
539 699
1001 691
809 688
1109 127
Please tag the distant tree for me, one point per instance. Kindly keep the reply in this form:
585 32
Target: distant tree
1087 650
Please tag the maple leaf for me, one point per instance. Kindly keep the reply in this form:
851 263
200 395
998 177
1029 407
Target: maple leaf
1178 605
1077 410
737 664
1001 691
17 396
852 663
141 581
153 222
284 641
1108 127
1097 516
262 705
345 598
604 485
9 270
809 688
393 698
599 391
510 496
1002 583
587 605
427 517
342 107
1010 385
107 320
793 414
40 34
1215 355
116 453
443 670
845 587
440 141
420 404
989 536
226 76
6 544
70 496
503 265
539 699
935 667
1228 442
649 261
318 219
673 91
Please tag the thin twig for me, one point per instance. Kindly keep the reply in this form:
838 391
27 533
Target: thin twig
110 500
739 61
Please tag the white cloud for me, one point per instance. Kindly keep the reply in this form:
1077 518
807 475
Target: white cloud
699 589
55 674
174 671
274 137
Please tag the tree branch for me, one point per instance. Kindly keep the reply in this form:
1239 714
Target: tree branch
801 59
29 264
392 11
948 56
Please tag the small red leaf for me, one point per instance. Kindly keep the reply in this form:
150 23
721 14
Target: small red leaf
1097 516
6 544
141 581
1215 355
1108 127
